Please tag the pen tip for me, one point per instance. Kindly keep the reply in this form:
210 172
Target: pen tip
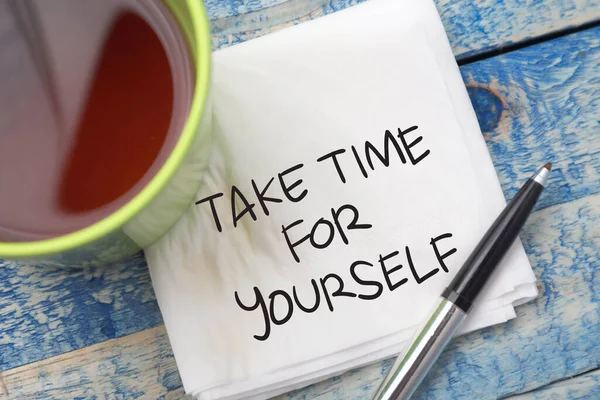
548 166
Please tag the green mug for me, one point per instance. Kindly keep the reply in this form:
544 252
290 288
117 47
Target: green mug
162 202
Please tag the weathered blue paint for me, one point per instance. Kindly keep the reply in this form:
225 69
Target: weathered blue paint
547 98
473 27
44 312
586 386
232 8
534 104
53 312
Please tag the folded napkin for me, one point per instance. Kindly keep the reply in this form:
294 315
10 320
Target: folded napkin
348 182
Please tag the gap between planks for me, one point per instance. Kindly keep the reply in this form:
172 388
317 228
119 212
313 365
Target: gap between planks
528 112
495 52
473 28
581 386
142 364
67 374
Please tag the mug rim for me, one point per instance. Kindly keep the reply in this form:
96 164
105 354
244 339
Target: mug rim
201 53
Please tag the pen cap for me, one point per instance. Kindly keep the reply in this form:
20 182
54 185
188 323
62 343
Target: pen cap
490 250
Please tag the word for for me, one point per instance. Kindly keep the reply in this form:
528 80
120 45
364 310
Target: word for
332 285
324 225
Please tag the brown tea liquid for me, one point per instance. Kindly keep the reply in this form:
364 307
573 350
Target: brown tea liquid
126 119
54 184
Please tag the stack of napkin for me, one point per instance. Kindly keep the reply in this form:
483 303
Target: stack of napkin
348 182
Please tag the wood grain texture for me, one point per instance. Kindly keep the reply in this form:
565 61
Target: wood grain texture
586 386
534 104
554 337
473 27
45 312
136 366
541 104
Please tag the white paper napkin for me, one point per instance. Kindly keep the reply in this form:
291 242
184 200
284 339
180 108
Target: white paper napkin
289 99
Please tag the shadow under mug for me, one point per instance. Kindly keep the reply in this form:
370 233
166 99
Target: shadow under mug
161 203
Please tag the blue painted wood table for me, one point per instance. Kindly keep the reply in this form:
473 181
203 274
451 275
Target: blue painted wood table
532 68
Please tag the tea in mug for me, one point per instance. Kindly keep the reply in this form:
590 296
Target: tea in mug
60 173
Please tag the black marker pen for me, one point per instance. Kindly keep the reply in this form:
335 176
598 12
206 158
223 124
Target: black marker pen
409 370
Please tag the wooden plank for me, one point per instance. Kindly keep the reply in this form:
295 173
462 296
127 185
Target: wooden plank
586 386
136 366
46 312
541 104
553 337
473 27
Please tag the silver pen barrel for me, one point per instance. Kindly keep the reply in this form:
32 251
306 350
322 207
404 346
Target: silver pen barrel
411 367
